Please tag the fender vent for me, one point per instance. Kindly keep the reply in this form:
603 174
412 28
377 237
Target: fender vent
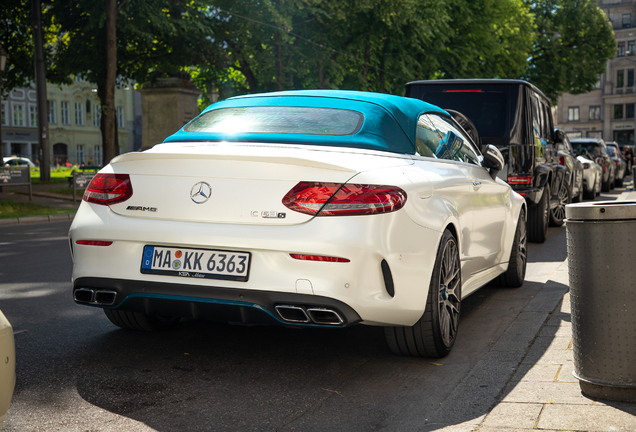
388 278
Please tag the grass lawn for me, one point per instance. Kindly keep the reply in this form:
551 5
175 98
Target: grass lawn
13 209
66 191
58 175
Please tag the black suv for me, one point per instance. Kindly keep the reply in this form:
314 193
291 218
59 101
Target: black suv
514 116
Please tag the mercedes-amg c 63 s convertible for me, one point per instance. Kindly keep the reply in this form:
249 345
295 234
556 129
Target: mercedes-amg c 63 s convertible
302 208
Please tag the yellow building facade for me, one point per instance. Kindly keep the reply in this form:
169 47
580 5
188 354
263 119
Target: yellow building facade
74 113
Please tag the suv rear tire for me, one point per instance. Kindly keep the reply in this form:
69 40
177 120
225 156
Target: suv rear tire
539 218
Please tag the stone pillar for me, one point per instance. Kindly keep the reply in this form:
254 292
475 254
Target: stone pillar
167 105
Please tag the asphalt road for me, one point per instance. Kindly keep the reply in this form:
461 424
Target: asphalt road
78 372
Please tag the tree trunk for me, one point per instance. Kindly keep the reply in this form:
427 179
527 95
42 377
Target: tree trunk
382 77
109 120
245 69
321 76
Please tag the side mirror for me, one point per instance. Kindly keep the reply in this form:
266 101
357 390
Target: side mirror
493 160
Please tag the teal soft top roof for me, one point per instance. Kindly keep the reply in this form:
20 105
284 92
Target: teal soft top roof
389 121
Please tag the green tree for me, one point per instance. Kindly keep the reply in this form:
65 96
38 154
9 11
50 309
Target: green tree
488 39
574 41
144 39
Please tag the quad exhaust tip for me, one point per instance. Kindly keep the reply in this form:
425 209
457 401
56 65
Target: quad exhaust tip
314 315
96 297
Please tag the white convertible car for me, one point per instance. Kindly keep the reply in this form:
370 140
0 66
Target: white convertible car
302 208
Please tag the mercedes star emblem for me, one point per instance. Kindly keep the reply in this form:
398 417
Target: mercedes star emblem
200 192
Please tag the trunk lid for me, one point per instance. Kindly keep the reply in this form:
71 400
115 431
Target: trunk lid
233 183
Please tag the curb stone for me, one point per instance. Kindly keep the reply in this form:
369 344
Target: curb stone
61 217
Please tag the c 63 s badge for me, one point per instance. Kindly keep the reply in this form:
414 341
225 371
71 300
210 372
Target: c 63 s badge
140 208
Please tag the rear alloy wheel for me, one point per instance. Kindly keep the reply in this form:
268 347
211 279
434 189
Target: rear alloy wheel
140 321
538 218
434 334
516 273
557 214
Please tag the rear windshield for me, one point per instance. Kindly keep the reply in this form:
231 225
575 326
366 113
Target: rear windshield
611 151
279 120
594 149
486 109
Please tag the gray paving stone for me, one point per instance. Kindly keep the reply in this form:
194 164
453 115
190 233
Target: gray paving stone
554 331
521 415
565 374
509 429
548 298
587 418
537 373
521 332
542 392
463 427
538 355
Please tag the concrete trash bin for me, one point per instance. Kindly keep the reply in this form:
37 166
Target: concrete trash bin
602 273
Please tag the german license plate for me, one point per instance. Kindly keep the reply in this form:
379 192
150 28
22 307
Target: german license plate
196 263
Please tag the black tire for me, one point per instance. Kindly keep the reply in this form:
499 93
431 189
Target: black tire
538 218
434 334
619 182
557 214
140 321
613 182
516 273
605 186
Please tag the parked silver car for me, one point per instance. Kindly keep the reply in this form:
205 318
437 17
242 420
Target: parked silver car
592 175
621 164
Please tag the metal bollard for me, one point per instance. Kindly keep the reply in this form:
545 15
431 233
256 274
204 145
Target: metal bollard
603 297
633 177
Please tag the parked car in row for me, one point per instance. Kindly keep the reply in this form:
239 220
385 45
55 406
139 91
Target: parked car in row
598 150
621 165
306 209
571 172
592 174
515 116
17 161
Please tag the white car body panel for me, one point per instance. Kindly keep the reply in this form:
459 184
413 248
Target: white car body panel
255 177
592 176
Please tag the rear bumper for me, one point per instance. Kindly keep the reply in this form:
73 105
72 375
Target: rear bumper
213 303
532 195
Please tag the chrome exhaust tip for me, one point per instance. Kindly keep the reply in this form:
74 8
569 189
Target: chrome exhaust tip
105 298
325 316
83 295
295 314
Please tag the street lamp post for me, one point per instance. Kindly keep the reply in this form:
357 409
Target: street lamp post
3 62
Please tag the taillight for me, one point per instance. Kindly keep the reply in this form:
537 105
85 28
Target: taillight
94 242
586 165
107 189
319 258
617 163
561 160
520 180
337 199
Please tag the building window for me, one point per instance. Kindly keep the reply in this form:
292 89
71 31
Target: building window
18 114
629 110
595 113
33 115
52 113
618 111
621 49
630 78
620 78
4 114
97 115
98 155
79 114
80 154
627 20
573 114
120 117
77 78
66 113
631 47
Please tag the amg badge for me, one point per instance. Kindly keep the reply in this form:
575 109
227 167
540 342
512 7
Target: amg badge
140 208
